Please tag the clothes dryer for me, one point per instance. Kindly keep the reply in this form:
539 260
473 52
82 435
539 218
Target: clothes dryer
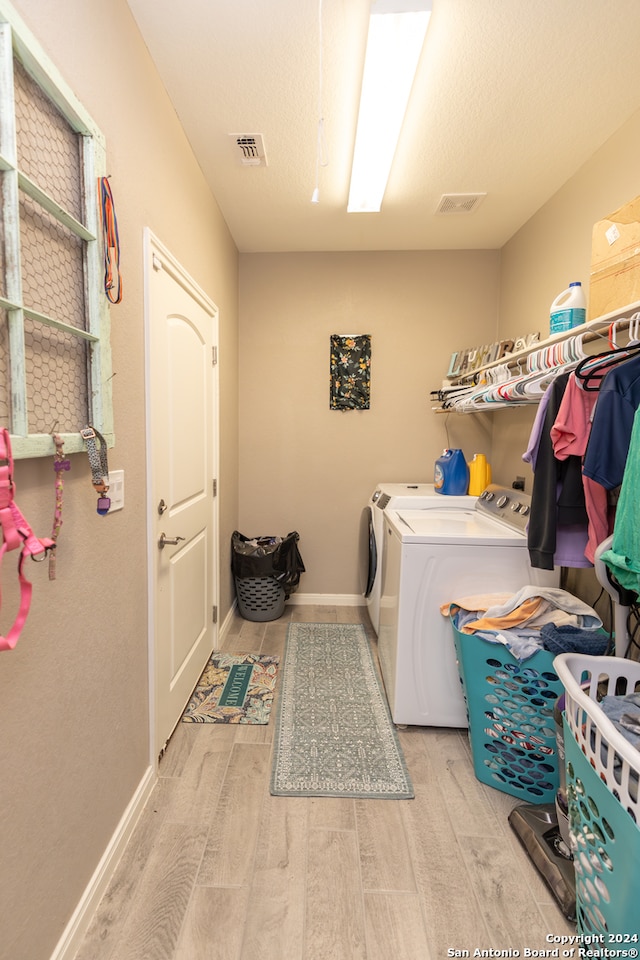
417 496
432 557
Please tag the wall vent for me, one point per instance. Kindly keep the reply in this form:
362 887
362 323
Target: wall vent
459 202
249 149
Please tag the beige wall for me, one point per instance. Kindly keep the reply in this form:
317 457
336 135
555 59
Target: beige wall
73 694
550 251
312 469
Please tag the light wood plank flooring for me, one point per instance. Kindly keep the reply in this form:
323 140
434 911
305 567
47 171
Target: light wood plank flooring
218 869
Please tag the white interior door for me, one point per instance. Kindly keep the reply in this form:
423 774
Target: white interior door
182 459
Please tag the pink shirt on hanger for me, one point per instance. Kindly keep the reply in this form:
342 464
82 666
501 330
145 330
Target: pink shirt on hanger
569 436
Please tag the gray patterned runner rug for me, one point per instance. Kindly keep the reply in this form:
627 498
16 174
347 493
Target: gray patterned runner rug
334 736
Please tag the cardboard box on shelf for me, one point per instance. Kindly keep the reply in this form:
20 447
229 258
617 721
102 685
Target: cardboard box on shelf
615 261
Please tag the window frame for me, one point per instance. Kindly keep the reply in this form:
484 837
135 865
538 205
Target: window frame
16 41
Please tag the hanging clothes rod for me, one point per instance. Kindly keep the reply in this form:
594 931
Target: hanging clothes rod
526 372
597 329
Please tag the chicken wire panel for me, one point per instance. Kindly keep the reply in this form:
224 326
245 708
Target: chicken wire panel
56 169
5 386
56 374
52 260
3 206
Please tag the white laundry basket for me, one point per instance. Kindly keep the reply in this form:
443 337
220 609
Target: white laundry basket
603 779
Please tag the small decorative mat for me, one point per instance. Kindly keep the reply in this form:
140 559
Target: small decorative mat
334 734
234 689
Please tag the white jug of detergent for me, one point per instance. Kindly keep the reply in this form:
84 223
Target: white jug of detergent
569 309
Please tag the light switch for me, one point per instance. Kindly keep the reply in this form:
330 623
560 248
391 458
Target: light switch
116 490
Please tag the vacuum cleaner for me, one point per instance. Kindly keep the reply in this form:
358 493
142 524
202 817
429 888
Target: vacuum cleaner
543 831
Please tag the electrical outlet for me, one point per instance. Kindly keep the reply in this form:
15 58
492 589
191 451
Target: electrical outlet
116 490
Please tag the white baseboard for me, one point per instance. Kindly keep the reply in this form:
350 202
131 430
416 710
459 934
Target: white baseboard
226 623
70 941
328 599
299 599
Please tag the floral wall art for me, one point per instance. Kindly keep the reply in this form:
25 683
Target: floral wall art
350 371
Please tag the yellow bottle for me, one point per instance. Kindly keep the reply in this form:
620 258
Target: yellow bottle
479 474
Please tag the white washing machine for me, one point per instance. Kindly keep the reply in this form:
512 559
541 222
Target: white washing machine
417 496
430 557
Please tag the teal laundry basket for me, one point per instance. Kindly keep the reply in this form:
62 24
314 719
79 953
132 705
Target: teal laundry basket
603 777
510 706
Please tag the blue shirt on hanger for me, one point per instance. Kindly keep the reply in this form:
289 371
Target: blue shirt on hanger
618 400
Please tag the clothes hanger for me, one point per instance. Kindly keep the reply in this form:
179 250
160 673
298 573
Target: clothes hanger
490 392
634 330
559 358
592 370
512 389
526 385
474 399
613 334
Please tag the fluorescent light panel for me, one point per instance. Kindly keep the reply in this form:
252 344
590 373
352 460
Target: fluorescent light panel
396 36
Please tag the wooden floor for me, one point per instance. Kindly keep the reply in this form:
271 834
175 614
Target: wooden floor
218 869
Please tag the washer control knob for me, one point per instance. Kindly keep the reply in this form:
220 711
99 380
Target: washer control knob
488 495
525 509
502 501
515 506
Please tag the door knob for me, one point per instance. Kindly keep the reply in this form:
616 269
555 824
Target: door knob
168 541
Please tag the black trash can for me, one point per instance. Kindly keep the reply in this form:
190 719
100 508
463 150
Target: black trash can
266 571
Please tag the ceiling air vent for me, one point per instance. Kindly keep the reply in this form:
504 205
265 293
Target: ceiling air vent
459 202
249 149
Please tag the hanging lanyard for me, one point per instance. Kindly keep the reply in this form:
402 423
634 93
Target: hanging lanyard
111 241
97 451
60 464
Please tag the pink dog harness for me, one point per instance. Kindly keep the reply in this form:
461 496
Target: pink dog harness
16 532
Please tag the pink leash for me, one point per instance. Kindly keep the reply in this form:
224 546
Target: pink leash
16 533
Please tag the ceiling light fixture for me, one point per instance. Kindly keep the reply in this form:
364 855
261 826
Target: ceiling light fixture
321 144
397 29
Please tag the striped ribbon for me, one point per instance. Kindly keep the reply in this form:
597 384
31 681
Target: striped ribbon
111 240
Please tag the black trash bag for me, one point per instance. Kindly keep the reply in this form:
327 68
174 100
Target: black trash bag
275 557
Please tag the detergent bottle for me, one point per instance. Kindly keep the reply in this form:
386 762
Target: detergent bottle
569 309
479 474
451 474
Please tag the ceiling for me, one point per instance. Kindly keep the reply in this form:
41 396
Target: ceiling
510 99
